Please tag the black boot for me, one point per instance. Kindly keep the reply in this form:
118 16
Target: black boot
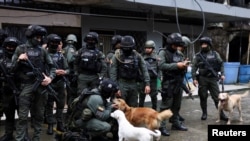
27 138
50 129
204 114
180 127
164 131
223 116
6 137
60 127
181 118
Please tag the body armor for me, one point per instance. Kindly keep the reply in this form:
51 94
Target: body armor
152 66
90 61
173 58
58 59
211 58
128 69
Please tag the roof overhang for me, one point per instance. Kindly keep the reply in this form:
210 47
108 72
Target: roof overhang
188 9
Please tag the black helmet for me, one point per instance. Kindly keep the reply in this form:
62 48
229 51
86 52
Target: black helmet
127 42
175 39
108 87
116 39
207 40
33 30
91 35
10 42
53 40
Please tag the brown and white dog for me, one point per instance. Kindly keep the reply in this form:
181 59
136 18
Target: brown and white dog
228 103
128 132
142 116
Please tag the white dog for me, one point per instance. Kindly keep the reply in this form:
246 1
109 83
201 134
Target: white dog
228 103
127 132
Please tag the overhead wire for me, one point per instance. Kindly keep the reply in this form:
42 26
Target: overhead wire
177 17
178 25
203 25
203 17
156 31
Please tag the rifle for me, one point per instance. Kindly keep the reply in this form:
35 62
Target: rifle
151 69
9 79
64 79
39 78
209 66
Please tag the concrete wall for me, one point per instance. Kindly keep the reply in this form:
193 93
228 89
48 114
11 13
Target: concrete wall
153 32
41 18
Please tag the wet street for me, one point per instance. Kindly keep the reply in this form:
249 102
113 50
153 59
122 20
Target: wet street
190 110
197 128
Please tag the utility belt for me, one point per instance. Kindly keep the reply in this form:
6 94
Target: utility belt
127 80
173 78
87 72
206 73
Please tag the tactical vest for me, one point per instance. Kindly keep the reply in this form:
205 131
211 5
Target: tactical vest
80 103
59 60
127 69
8 63
173 58
212 59
36 57
90 61
151 63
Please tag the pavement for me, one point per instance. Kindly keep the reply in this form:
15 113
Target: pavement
190 110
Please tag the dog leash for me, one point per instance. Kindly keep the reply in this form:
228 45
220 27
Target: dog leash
222 85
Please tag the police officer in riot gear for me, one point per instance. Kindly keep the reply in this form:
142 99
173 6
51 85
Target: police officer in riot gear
209 63
151 59
30 99
3 35
173 66
70 48
9 93
91 110
126 64
89 64
69 52
182 50
58 84
115 42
